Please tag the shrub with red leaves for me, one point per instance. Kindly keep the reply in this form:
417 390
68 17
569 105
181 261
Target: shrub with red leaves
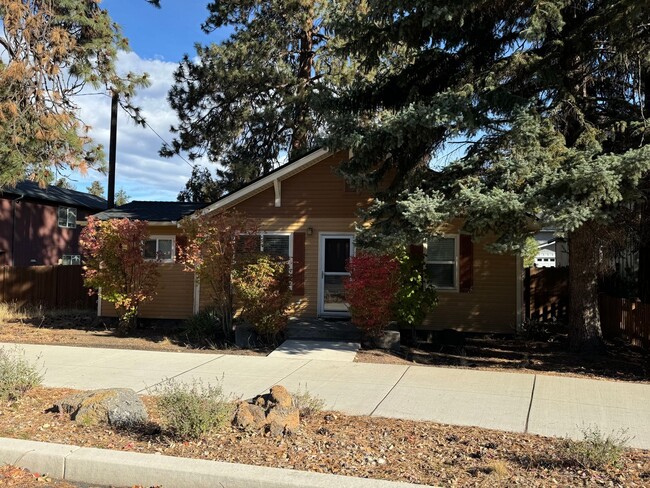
371 291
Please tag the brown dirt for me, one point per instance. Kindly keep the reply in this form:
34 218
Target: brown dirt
84 330
547 355
401 450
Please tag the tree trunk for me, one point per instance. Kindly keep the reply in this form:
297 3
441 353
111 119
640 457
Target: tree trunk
585 333
299 138
643 274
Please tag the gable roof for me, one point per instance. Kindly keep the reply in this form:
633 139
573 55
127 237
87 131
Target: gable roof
266 181
151 211
55 194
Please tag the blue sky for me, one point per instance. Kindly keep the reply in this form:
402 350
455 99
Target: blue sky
166 33
158 38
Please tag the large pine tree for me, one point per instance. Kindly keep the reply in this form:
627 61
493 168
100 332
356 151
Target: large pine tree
49 51
249 102
545 98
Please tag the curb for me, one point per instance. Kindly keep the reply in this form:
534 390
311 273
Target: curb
119 468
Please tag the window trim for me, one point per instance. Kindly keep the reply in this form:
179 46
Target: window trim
456 262
67 223
161 238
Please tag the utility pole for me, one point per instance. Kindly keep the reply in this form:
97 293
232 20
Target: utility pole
112 147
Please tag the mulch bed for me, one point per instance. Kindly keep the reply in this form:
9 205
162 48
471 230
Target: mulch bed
84 330
328 442
548 354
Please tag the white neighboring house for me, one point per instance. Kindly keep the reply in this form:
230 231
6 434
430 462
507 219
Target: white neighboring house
553 252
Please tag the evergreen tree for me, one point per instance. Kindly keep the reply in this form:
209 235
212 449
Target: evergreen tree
48 52
200 188
121 197
545 96
250 101
64 183
96 188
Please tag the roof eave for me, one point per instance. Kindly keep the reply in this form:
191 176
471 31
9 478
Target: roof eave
259 185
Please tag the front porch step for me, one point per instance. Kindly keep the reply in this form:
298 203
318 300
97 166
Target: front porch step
321 329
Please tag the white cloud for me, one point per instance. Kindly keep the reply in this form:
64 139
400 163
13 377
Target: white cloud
142 173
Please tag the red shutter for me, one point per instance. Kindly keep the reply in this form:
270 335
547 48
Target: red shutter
416 250
298 263
466 264
181 243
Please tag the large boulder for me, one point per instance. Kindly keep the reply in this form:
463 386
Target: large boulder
118 407
274 413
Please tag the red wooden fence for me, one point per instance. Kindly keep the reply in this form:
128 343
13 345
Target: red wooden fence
547 297
546 293
55 287
628 319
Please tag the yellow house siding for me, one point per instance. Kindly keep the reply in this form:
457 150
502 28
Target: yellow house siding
491 305
175 290
174 295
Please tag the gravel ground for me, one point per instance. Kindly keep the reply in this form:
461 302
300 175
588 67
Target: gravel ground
329 442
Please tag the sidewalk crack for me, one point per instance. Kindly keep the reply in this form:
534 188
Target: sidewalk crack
178 374
389 392
294 371
530 405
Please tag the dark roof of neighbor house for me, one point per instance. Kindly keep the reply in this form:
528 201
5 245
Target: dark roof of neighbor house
55 194
152 211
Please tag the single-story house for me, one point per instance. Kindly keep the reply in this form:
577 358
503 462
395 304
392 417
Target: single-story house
39 226
307 212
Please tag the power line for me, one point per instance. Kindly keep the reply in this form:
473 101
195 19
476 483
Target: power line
161 138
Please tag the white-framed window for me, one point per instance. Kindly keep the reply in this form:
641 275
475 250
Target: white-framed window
70 259
67 217
441 258
161 248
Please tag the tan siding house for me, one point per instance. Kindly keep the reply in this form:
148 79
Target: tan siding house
307 206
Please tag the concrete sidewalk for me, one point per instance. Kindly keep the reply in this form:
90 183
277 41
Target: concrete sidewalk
541 404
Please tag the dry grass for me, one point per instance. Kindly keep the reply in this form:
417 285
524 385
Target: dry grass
10 312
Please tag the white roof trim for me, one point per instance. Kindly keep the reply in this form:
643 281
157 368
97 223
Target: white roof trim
253 188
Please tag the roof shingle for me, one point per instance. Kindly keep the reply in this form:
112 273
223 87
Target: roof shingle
72 198
151 211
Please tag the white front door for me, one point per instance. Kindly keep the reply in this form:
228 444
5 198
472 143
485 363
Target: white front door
334 252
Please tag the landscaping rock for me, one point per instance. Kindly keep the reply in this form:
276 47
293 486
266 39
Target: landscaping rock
283 420
119 407
281 396
273 413
249 417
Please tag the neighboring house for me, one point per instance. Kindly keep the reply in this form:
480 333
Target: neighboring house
38 226
553 251
307 213
176 288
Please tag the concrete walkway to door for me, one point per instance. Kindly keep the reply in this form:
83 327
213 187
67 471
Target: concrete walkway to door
547 405
321 339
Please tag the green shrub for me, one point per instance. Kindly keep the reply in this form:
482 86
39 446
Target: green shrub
17 375
190 411
263 291
307 403
204 327
416 295
595 450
